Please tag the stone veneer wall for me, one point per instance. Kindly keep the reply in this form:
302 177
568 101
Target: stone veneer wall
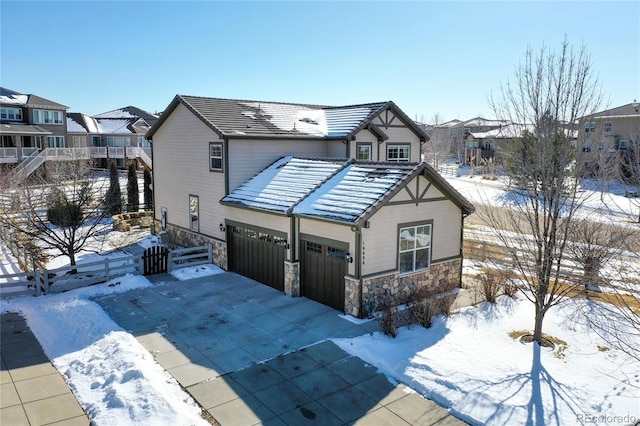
351 296
292 278
441 277
183 237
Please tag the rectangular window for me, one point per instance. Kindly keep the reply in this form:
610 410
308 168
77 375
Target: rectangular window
45 116
363 151
215 157
55 141
11 113
608 126
194 211
143 143
95 141
414 248
398 152
590 127
79 141
622 145
118 141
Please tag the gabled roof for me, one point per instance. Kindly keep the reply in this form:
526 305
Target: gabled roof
11 97
128 112
348 192
629 110
81 123
509 131
232 118
283 184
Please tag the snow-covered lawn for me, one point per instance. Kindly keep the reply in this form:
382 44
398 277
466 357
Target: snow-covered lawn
469 364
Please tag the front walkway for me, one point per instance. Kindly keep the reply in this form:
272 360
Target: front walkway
250 355
32 392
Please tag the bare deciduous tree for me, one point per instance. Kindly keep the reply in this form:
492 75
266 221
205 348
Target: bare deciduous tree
66 193
550 91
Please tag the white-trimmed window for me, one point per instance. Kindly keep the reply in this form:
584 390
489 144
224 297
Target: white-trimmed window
45 116
608 126
398 152
622 145
55 141
79 141
143 142
363 151
194 213
118 141
215 157
590 127
414 248
11 113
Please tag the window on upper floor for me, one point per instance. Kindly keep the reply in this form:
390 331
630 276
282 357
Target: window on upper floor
215 157
608 127
118 141
45 116
363 151
398 152
95 141
590 127
622 145
143 142
414 251
11 113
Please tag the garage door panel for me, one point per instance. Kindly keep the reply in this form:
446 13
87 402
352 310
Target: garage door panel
322 274
257 254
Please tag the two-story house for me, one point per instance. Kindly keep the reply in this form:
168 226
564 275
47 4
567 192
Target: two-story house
609 137
29 124
331 203
118 135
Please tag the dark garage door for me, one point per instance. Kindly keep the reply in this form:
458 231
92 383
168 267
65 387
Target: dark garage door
257 253
323 270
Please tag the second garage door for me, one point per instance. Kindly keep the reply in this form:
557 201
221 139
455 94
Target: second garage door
322 273
257 253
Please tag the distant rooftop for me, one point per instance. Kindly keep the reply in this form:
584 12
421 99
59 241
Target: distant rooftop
11 97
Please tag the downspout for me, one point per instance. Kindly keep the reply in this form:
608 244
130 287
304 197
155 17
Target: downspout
225 150
461 249
358 267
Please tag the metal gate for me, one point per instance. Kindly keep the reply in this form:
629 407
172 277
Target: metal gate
155 260
323 270
257 253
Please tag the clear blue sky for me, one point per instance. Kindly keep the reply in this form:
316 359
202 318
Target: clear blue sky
428 57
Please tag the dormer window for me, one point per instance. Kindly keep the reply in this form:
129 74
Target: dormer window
11 114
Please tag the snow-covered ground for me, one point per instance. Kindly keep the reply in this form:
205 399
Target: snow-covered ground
468 362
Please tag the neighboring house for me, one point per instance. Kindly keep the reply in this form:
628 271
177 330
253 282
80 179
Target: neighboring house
486 147
610 131
117 134
28 125
331 203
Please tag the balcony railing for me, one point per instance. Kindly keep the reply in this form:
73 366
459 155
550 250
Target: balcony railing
8 155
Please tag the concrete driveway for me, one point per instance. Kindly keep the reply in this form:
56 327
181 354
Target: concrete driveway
251 355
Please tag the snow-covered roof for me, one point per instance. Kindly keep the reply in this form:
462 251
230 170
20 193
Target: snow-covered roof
113 126
258 119
81 123
11 97
127 112
337 190
283 184
483 122
506 132
353 191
